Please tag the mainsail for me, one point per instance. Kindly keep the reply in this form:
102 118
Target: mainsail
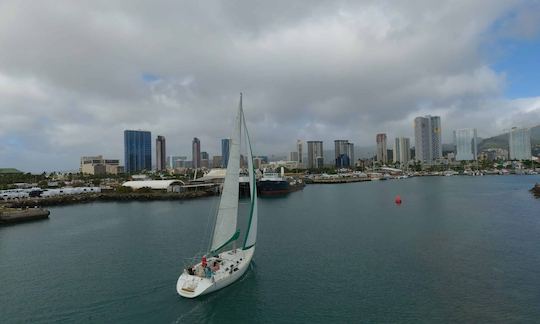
225 228
251 234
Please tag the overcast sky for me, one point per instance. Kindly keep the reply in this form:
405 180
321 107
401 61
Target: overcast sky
75 74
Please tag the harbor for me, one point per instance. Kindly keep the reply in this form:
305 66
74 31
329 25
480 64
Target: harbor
120 261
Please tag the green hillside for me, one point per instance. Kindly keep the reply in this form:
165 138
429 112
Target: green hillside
9 171
501 141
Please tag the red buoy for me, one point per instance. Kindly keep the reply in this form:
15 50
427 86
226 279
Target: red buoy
398 200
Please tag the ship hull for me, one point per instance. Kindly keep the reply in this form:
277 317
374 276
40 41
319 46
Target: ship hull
273 188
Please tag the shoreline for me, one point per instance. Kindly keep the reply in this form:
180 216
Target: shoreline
104 196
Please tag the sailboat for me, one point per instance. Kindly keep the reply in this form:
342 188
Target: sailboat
224 262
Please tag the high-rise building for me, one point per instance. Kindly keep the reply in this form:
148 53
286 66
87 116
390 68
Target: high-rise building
350 153
177 161
344 153
257 161
216 161
520 144
382 152
315 154
196 153
225 147
205 160
137 150
161 161
402 150
466 144
293 156
300 152
427 138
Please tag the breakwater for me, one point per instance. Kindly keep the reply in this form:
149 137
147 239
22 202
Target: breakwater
106 196
13 215
335 180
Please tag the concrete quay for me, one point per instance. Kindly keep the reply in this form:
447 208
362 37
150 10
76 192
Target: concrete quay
16 215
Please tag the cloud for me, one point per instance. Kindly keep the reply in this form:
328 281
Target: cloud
73 76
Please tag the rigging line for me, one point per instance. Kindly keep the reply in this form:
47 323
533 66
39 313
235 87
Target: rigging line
204 246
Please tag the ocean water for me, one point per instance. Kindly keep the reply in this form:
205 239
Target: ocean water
458 249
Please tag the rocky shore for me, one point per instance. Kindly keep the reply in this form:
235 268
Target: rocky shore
536 190
105 196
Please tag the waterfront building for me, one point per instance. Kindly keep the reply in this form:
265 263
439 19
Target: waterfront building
177 161
225 147
257 162
427 138
196 153
205 160
299 149
344 153
402 150
216 161
293 156
382 152
160 153
137 150
315 155
97 165
520 144
350 153
466 144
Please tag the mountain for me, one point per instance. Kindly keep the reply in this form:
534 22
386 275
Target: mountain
501 141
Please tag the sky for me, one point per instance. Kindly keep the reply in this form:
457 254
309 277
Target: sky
75 74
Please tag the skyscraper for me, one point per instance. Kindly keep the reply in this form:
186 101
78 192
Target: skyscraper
137 150
520 144
205 160
225 147
350 153
161 161
299 145
382 152
466 144
402 150
315 154
427 138
293 156
196 153
344 153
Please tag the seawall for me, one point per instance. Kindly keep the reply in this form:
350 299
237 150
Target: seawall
11 215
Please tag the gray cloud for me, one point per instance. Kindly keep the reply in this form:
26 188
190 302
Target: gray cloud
73 76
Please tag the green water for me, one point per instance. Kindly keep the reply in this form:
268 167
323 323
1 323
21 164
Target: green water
459 249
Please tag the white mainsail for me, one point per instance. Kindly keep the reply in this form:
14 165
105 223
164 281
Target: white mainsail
251 235
225 228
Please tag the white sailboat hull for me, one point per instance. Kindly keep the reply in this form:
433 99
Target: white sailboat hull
233 265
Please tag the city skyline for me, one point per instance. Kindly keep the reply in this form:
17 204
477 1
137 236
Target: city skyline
322 70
